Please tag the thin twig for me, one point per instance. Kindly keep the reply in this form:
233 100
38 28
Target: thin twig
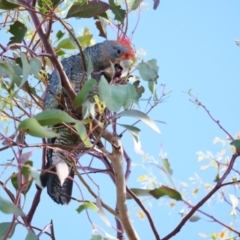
52 230
91 191
145 211
196 101
207 197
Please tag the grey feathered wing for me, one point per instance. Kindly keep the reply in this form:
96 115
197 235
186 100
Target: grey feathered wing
61 193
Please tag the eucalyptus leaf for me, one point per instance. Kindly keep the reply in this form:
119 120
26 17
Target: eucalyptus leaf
9 208
88 9
52 117
68 44
26 68
139 192
118 12
133 130
33 128
136 4
166 191
148 70
117 96
8 69
140 115
31 236
17 29
4 227
35 66
85 206
83 133
82 95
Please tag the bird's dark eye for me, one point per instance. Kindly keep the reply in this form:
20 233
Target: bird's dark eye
118 51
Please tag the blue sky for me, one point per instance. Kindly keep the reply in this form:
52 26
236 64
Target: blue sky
194 44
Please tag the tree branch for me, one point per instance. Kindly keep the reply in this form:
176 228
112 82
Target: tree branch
116 158
200 203
48 48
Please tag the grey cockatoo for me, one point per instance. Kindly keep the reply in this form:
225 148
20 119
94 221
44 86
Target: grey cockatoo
101 55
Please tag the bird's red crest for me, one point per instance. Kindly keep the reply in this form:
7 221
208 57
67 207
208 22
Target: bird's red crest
126 42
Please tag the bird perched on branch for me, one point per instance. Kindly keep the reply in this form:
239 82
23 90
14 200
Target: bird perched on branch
101 55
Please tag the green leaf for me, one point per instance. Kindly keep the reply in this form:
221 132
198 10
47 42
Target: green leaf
139 90
213 236
82 95
133 130
88 205
26 68
167 166
140 115
55 2
67 42
98 237
135 4
139 192
59 52
27 180
88 109
33 128
29 89
217 178
86 38
45 6
4 229
59 34
35 66
89 65
117 11
31 236
165 191
6 5
25 169
117 96
18 30
10 72
72 38
83 133
8 207
17 69
14 181
152 88
52 117
104 15
148 70
87 10
194 218
236 144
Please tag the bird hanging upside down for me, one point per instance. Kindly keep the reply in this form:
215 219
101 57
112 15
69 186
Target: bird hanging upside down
101 55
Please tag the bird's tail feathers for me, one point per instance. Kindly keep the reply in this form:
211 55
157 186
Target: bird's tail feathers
61 194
